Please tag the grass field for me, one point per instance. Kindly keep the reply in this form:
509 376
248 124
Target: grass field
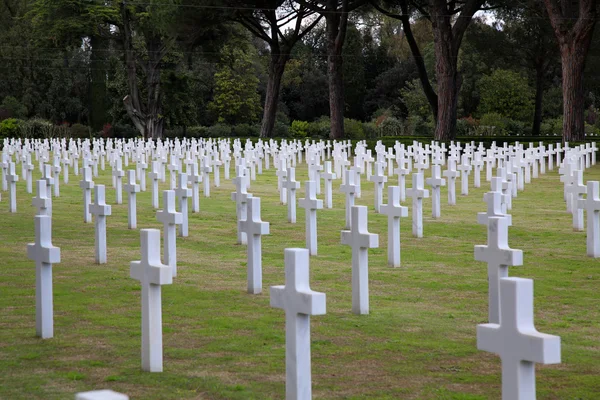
418 342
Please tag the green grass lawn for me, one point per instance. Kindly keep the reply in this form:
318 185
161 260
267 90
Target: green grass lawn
418 342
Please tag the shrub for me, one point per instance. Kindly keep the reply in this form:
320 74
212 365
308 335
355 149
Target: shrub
79 131
219 130
281 130
245 130
353 129
124 131
320 128
506 93
551 127
417 126
517 128
9 128
391 126
197 132
493 120
37 128
371 130
299 129
14 107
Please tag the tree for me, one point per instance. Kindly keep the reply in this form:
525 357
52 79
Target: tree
506 93
267 21
573 23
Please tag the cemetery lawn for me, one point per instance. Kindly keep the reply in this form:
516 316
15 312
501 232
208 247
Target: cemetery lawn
418 342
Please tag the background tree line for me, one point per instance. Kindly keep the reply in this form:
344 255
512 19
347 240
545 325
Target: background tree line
320 68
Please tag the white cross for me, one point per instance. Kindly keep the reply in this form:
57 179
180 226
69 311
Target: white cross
100 210
254 228
154 176
311 204
194 178
436 182
350 189
169 218
183 193
87 184
465 169
56 171
47 176
328 176
118 174
41 201
418 193
206 170
379 179
173 171
131 188
299 303
281 175
44 254
516 340
12 178
394 211
240 196
576 190
402 172
451 175
143 165
291 185
592 207
361 241
28 170
499 257
493 200
152 274
101 395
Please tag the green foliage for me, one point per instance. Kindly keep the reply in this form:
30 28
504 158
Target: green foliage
219 131
299 129
415 100
353 129
506 93
121 130
552 127
79 131
9 128
319 128
418 126
236 98
14 107
197 132
371 130
391 126
245 130
38 128
495 120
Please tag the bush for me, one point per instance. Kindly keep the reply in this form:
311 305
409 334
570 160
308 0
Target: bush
371 130
353 129
552 127
124 131
299 129
218 130
9 128
245 130
37 128
506 93
281 130
320 128
417 126
79 131
495 120
391 126
14 107
197 132
517 128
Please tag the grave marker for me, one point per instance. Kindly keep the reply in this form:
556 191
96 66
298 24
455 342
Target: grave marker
254 228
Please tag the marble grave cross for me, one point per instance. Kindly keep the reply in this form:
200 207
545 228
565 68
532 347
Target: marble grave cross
291 185
183 193
379 179
418 193
100 210
169 218
436 182
131 188
592 208
254 228
311 204
350 189
12 178
87 184
394 211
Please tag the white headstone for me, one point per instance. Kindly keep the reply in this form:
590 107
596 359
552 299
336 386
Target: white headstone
349 188
41 201
152 274
379 179
577 189
291 185
451 175
183 193
254 228
436 182
328 177
44 254
87 184
154 176
12 178
418 193
311 204
592 208
169 218
131 188
361 241
101 395
100 210
299 303
516 340
394 211
240 196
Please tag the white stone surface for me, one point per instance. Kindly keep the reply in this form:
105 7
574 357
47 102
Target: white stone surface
311 204
465 170
194 179
299 303
12 178
240 196
47 176
169 218
493 200
360 240
394 211
577 189
118 174
44 254
101 395
378 179
254 228
154 176
41 201
516 340
418 193
291 185
451 175
100 210
328 177
499 256
592 208
183 193
131 188
349 188
86 184
152 274
436 182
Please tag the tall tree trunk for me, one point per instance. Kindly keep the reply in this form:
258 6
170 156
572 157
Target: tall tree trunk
336 24
277 65
97 100
573 57
574 28
154 109
539 97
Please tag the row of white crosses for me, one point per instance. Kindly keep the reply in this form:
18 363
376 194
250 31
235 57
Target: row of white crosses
510 332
